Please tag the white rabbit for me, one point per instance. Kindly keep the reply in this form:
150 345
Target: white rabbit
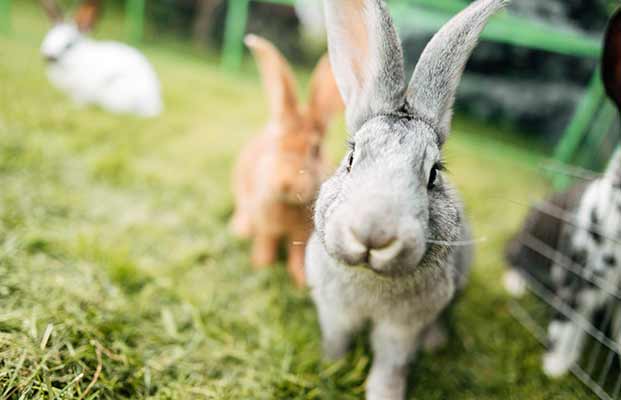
111 75
388 225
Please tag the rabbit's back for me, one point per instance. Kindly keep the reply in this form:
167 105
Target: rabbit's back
110 74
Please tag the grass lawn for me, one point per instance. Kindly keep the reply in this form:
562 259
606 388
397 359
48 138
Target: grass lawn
118 278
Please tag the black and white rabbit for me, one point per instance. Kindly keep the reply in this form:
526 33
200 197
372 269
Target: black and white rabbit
585 232
388 221
109 74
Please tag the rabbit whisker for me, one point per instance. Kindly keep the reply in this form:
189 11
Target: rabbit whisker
463 243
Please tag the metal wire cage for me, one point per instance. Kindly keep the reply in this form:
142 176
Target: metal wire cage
596 331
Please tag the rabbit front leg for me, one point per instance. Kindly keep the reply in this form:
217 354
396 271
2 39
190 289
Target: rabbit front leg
264 249
337 328
296 253
394 347
295 262
567 336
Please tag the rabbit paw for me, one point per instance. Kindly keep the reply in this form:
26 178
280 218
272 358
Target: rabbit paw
389 384
514 284
555 365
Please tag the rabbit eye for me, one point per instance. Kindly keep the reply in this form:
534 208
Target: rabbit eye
433 176
316 151
352 148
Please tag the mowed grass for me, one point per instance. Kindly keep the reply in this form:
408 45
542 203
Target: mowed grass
119 279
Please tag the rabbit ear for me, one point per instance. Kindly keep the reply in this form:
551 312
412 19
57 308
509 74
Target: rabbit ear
431 91
325 99
87 15
613 170
611 62
367 58
53 10
277 79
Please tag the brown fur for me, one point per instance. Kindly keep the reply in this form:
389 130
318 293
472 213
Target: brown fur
279 172
53 10
87 14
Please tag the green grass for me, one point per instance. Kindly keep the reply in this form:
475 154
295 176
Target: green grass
115 257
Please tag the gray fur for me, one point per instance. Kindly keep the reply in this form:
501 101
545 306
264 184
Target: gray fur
442 64
369 260
381 89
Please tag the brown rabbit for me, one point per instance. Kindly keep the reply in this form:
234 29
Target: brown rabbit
279 172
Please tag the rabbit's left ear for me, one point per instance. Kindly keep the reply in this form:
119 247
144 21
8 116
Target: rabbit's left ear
611 62
87 15
278 79
53 10
613 169
325 99
433 86
366 57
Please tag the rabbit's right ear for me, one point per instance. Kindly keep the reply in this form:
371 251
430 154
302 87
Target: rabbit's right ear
611 62
325 99
613 170
53 10
277 78
366 57
87 14
434 82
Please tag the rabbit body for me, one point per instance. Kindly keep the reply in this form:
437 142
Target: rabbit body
580 227
590 246
264 211
278 173
109 74
403 302
388 246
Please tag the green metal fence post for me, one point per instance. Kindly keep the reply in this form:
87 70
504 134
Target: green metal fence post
578 126
134 14
236 19
5 16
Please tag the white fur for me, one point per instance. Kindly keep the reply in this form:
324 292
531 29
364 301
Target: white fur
111 75
568 337
514 283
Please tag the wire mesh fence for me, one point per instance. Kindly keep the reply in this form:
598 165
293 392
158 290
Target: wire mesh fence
567 258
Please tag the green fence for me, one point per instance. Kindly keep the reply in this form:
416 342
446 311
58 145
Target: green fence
592 116
134 17
5 16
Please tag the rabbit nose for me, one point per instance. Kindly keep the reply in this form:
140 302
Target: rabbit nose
377 249
364 240
370 238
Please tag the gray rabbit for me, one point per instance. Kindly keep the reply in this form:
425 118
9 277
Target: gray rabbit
388 245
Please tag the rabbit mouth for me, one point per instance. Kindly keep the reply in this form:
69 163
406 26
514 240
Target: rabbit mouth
295 197
379 260
50 59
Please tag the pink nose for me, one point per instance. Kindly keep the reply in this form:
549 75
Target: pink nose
372 237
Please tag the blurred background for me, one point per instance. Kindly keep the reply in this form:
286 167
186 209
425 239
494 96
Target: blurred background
114 250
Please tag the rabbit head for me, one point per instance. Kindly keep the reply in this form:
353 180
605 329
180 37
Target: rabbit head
611 76
296 155
64 35
389 197
611 60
